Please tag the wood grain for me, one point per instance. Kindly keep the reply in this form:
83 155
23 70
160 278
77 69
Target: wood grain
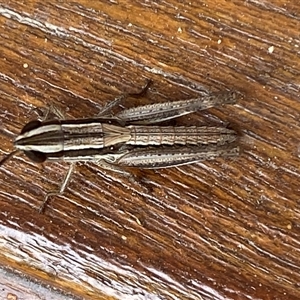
227 229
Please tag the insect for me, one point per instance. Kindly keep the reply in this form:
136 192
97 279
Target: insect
130 138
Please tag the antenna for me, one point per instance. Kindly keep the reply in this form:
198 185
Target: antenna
8 156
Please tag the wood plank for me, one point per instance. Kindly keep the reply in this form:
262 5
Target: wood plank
226 229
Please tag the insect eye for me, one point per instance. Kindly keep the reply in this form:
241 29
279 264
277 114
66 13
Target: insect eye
36 156
31 125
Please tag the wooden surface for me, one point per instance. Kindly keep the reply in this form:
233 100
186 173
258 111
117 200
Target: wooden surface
227 229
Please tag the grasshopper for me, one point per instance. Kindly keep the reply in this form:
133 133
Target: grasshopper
130 138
